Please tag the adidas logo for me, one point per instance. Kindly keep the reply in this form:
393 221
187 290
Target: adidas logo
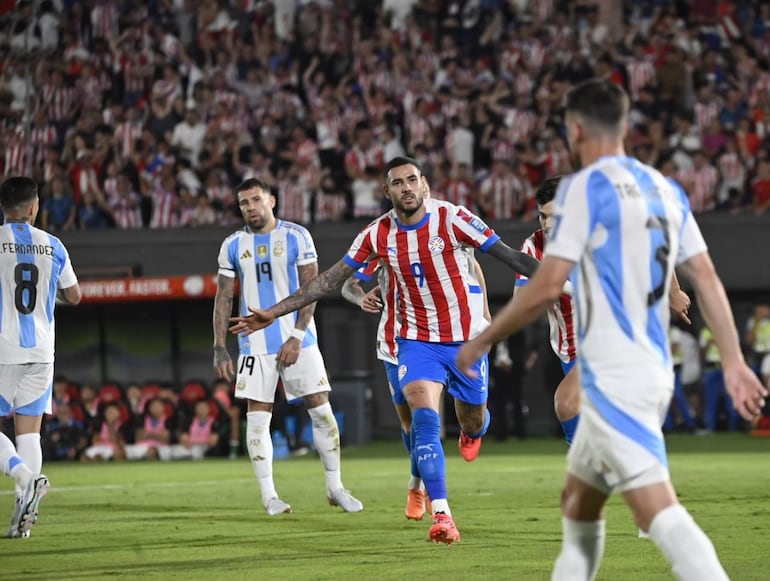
246 254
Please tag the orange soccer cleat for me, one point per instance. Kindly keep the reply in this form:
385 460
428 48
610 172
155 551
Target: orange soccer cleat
443 529
415 504
469 447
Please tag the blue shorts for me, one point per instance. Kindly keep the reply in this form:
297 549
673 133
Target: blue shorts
436 362
391 370
567 367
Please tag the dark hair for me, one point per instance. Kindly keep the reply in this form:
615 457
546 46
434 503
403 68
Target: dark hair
17 191
546 191
603 104
401 160
251 183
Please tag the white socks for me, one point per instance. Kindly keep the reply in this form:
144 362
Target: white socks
581 551
685 546
12 465
260 446
326 438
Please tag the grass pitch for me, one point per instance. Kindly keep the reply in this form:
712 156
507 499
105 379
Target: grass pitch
204 520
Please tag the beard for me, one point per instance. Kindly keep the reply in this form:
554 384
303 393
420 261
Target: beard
409 211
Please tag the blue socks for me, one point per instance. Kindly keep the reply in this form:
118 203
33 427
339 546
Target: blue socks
428 453
408 440
570 426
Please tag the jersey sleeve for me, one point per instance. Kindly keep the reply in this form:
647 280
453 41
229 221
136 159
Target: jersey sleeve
691 241
366 272
362 248
528 247
306 247
575 214
227 257
471 230
67 277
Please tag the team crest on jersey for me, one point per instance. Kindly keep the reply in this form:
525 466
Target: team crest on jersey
262 250
401 372
241 385
436 245
278 248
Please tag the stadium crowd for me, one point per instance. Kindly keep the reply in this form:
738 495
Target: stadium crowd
146 114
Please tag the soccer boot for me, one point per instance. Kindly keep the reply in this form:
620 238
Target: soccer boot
345 500
26 516
416 500
276 506
469 447
443 529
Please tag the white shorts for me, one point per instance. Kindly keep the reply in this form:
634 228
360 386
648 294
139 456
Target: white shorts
257 376
618 449
26 387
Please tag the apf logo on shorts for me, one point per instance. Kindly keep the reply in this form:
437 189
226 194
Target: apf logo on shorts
401 372
436 245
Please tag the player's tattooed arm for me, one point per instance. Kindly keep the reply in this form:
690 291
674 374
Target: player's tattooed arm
223 308
307 273
324 284
520 262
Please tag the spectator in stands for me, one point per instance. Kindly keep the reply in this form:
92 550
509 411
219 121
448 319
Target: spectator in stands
153 435
109 442
199 436
58 209
65 437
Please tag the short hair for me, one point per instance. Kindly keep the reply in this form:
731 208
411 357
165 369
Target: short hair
603 105
546 191
17 191
251 183
402 160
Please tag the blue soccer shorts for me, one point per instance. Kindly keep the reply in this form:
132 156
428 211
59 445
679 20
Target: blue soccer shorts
418 360
567 367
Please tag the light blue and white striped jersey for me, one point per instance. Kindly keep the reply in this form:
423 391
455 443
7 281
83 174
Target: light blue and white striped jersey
625 226
266 266
33 266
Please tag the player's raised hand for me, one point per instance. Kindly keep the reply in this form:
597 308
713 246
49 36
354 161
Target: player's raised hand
468 354
258 319
745 390
679 303
372 301
223 363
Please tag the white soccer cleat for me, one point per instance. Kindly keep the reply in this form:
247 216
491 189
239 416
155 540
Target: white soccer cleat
345 500
276 506
13 528
25 515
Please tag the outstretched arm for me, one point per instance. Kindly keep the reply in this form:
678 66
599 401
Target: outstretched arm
531 301
324 284
521 262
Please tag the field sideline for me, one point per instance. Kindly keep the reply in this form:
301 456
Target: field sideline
204 520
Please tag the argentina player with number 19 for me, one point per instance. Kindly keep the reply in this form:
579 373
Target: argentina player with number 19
422 243
271 258
35 270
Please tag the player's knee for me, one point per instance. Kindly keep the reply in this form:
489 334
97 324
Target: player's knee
316 399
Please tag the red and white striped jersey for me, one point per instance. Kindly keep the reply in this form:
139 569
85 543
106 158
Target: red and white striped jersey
705 113
640 72
126 134
731 167
701 187
560 320
294 201
164 209
125 210
60 101
459 193
16 162
431 273
503 196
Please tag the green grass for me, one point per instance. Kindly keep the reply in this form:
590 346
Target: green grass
204 520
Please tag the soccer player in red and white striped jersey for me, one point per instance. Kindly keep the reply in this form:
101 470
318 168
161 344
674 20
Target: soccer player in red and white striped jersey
566 400
421 243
